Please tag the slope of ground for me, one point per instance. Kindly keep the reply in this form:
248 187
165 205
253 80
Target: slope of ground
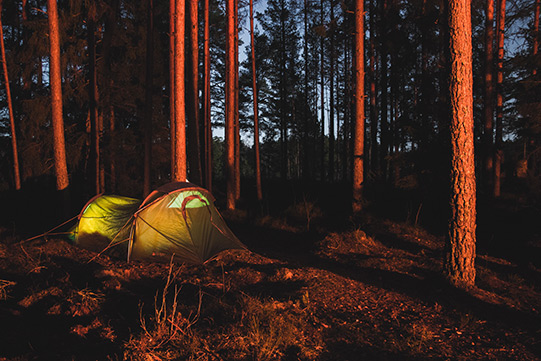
370 292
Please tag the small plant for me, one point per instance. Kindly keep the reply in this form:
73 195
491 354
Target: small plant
168 334
85 301
270 332
305 211
4 285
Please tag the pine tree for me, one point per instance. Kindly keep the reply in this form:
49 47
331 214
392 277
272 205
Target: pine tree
459 267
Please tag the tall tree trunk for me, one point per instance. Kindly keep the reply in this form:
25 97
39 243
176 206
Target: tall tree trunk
172 80
192 93
256 119
111 21
459 267
331 100
16 173
498 155
488 135
237 124
180 101
535 47
93 96
374 163
322 98
306 173
55 78
358 150
425 81
384 89
147 122
283 98
206 101
230 103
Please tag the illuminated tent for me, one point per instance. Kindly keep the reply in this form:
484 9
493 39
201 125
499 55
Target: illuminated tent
177 219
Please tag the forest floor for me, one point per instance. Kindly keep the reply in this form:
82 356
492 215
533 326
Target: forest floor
368 290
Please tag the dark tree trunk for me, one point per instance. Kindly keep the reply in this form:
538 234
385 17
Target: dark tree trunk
331 100
256 120
488 134
16 173
147 122
230 103
93 95
498 154
374 163
206 101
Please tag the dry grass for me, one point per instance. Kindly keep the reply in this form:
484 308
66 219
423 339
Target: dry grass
167 334
4 288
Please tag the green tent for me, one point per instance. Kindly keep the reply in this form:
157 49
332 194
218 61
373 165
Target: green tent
177 219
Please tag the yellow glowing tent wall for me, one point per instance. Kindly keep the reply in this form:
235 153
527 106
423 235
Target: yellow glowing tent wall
178 218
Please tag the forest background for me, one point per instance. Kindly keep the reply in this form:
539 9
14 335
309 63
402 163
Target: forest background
116 86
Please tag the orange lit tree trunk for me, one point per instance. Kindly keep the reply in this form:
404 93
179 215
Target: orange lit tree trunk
498 154
488 135
147 121
358 143
230 103
179 172
60 164
256 120
459 266
206 101
192 93
16 173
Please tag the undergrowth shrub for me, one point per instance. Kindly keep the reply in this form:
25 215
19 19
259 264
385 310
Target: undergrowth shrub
269 330
167 334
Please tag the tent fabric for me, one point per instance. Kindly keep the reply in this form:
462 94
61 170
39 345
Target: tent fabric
177 219
105 220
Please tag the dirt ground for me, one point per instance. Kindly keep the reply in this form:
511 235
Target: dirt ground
369 291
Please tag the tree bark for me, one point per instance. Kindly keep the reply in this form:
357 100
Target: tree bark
374 165
384 90
180 103
61 168
535 46
322 98
488 135
93 95
358 146
147 121
459 266
237 123
256 120
331 100
206 101
498 154
192 93
230 103
172 112
16 172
